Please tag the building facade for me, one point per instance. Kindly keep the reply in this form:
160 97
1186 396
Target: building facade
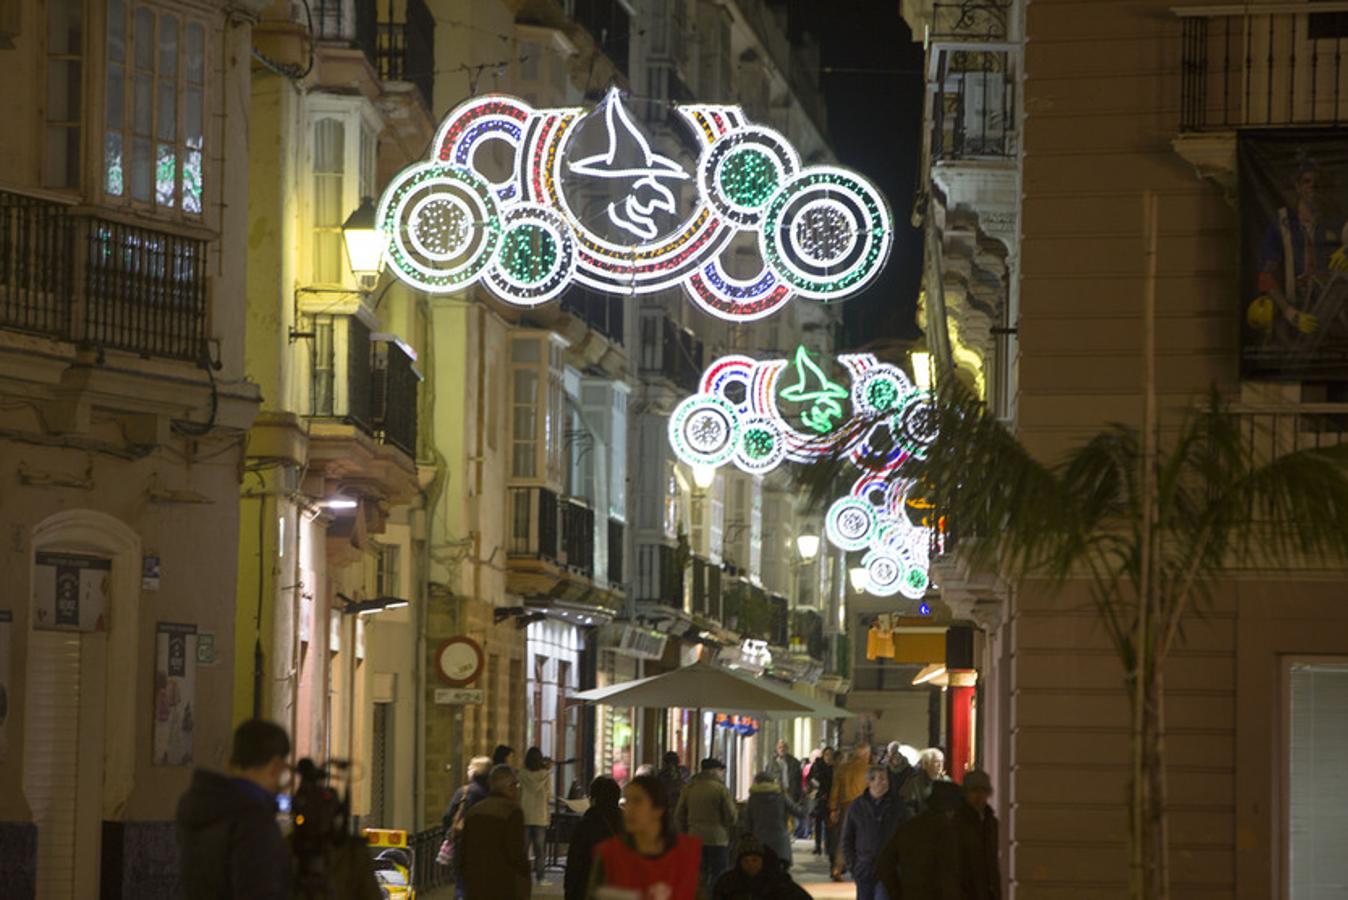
1034 293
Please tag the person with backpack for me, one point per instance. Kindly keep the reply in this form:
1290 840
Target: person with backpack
465 798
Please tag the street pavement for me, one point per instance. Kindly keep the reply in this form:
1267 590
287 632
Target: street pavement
809 870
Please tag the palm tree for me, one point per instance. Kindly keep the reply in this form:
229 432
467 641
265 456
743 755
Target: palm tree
1218 493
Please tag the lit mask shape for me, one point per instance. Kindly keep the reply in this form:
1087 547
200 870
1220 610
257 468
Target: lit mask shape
822 232
737 417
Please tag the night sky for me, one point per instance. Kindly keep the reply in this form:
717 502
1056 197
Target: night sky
872 82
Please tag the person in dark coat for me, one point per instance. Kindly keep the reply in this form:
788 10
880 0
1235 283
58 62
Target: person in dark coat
765 816
871 821
788 772
601 821
674 776
900 769
470 794
493 860
921 861
821 779
980 873
229 845
757 875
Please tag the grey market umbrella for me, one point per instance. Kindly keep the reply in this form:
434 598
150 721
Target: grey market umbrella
704 686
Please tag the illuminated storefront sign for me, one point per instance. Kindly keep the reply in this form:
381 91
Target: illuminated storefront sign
747 412
821 232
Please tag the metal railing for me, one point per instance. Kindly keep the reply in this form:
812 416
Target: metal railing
578 536
1263 64
670 352
534 523
395 396
1272 432
966 20
428 873
101 283
342 382
779 622
660 578
603 314
405 51
973 107
615 552
706 589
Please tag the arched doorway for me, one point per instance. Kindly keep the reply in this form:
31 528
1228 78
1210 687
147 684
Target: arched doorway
80 690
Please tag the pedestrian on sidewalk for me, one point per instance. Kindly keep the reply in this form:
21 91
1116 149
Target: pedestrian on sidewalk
536 801
468 795
767 816
707 811
229 845
922 859
675 777
757 875
900 766
916 790
821 779
650 859
871 821
603 820
980 872
492 857
503 755
849 781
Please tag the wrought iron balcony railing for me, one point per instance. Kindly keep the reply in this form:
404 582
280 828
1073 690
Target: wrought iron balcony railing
660 577
398 49
603 314
101 283
395 396
973 104
670 352
578 536
534 522
1263 65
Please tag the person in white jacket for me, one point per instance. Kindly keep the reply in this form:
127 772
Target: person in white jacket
536 800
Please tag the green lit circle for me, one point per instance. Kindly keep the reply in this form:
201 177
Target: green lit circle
528 253
758 443
748 177
881 394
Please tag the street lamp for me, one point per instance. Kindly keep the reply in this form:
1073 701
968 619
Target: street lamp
364 242
921 360
703 476
859 577
808 545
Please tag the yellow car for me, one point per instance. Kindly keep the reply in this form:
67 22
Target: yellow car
393 862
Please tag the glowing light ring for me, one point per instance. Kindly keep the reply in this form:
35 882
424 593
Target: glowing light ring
429 198
735 151
516 220
851 524
760 447
704 430
913 426
749 178
867 219
879 380
884 573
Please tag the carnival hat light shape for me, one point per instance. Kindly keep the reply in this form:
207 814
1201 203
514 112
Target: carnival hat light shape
737 417
822 232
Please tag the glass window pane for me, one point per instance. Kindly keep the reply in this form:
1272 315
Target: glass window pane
165 175
112 163
114 89
524 350
524 424
328 201
65 20
328 253
329 145
192 182
144 39
60 164
116 31
141 165
142 112
192 117
63 90
166 122
196 53
168 46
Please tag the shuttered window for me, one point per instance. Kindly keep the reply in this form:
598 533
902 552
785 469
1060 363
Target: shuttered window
1318 781
51 748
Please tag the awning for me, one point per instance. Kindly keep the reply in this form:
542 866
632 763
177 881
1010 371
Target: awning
701 686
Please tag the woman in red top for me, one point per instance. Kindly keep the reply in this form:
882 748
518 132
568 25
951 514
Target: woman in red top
651 861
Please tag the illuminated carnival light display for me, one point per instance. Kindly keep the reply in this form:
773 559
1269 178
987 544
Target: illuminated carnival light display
737 417
822 232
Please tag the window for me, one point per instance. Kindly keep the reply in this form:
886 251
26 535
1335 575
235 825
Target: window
538 416
1317 767
65 46
387 578
343 146
155 118
523 405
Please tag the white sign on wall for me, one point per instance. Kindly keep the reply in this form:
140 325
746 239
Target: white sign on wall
458 696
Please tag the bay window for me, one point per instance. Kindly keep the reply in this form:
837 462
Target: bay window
343 140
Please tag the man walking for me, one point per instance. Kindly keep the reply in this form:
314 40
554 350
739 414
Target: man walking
821 779
922 859
788 772
707 811
849 780
492 859
980 873
229 844
871 821
674 777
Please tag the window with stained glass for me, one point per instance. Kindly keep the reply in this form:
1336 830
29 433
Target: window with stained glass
154 123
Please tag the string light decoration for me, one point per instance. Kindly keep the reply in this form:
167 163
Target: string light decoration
737 416
822 232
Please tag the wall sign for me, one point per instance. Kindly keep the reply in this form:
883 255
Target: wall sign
821 232
459 661
175 682
458 696
70 592
759 414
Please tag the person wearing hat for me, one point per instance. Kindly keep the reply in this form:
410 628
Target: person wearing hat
980 873
706 810
757 875
922 859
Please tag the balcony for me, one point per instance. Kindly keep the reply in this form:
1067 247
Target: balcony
616 554
660 576
395 381
706 590
779 621
578 537
534 523
399 49
101 283
671 352
747 610
973 111
610 25
1264 65
601 313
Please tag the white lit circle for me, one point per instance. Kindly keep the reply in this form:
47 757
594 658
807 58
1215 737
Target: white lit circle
760 447
884 573
850 523
536 259
704 431
438 226
441 223
823 232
